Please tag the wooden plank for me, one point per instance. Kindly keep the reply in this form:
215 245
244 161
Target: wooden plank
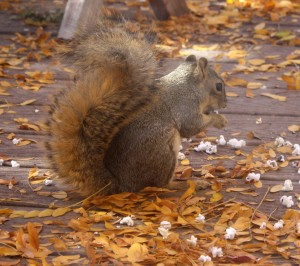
79 13
163 9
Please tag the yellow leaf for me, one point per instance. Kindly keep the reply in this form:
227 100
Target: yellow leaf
216 197
137 252
8 251
292 80
14 61
294 128
236 189
185 162
21 120
46 212
258 184
60 211
59 194
190 190
256 62
31 214
274 96
260 26
254 85
232 82
28 102
276 188
65 260
272 153
236 54
231 94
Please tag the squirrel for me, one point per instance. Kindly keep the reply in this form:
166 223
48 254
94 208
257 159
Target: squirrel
118 128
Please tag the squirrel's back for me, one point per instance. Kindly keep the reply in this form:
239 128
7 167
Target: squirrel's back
115 83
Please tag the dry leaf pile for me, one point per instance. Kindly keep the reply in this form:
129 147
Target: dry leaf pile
105 240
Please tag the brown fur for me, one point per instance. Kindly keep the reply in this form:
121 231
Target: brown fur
116 127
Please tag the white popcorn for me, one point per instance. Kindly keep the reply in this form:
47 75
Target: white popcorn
230 233
279 142
14 164
16 141
36 110
165 224
287 186
200 218
216 252
207 147
1 161
204 258
221 141
288 143
253 176
202 146
211 149
296 150
180 147
127 220
258 121
164 232
263 225
298 169
287 201
272 164
236 144
181 156
48 182
192 241
279 224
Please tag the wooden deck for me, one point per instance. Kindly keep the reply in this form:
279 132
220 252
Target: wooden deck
25 95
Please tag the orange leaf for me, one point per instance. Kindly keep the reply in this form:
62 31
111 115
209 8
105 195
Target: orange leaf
33 236
190 190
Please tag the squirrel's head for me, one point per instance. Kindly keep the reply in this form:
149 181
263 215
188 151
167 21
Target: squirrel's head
210 85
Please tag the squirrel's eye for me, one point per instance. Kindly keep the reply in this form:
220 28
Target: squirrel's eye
219 86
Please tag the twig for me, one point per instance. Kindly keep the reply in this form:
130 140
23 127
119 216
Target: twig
223 203
100 190
255 210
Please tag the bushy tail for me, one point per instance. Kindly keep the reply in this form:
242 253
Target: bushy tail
114 85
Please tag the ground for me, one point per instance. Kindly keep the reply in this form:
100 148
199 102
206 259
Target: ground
255 48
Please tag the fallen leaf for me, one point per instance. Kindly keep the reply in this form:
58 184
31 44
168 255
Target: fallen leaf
276 188
254 85
275 96
294 128
60 211
137 252
256 62
28 102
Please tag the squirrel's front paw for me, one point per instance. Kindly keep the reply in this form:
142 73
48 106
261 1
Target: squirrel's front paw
220 121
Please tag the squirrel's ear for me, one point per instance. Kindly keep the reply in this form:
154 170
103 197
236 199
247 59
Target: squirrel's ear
202 68
191 58
203 63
